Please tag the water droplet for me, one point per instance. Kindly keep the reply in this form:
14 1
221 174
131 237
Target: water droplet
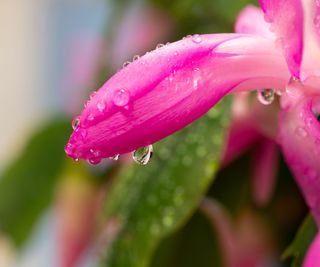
300 131
95 152
101 106
121 97
125 64
92 94
294 87
266 96
91 117
159 46
143 155
136 57
94 161
76 123
115 157
196 38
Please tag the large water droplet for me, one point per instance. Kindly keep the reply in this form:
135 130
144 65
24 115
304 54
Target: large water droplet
196 38
294 88
266 96
159 46
76 123
95 152
143 155
121 97
94 161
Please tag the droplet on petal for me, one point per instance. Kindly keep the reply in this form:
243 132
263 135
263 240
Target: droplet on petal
196 38
92 94
136 57
266 96
95 152
294 88
159 46
94 161
76 123
125 64
121 98
300 131
91 117
115 157
101 106
143 155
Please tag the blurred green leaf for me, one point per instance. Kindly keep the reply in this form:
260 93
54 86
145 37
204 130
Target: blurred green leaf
26 186
195 244
301 243
148 203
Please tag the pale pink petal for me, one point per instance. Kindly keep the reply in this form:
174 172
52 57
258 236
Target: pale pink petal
251 20
312 258
167 89
286 18
300 140
265 166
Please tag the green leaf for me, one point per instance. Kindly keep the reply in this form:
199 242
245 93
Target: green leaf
26 186
301 243
147 203
195 244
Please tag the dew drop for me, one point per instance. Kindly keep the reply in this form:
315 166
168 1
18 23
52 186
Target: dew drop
143 155
266 96
115 157
125 64
300 131
294 88
136 57
101 106
92 94
94 161
91 117
159 46
76 123
196 38
95 152
121 97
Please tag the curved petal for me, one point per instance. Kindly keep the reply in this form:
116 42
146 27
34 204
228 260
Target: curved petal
251 20
300 140
312 258
167 89
265 165
286 17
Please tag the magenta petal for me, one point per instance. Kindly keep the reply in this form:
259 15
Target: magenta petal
286 17
312 258
265 166
170 87
251 20
300 140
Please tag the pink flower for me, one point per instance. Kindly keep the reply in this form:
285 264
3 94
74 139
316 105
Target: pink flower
167 89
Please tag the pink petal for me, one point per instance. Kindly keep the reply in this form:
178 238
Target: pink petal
300 140
251 20
286 17
312 258
265 166
167 89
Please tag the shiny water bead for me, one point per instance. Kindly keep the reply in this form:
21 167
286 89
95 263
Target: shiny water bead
92 94
136 57
159 46
143 155
196 38
125 64
294 88
115 157
95 152
94 161
101 106
301 132
121 97
76 123
90 117
266 96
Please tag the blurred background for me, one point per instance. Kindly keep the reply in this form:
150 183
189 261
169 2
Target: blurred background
53 54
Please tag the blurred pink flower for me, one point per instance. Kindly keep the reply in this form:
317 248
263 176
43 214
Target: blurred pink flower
167 89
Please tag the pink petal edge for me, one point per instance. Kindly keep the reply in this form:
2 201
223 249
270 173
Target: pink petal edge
167 89
248 15
286 18
312 259
299 135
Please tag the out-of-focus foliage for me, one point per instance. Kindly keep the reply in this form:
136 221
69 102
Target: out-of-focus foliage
300 244
148 203
27 185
